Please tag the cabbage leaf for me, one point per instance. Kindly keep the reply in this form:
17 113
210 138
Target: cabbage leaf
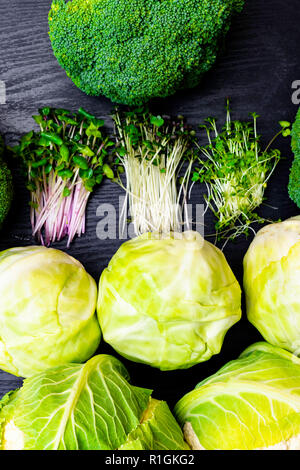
251 403
90 406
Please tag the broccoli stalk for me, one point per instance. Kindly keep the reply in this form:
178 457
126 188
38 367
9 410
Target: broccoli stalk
63 162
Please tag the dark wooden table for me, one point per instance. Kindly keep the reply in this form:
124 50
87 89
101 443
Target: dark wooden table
257 69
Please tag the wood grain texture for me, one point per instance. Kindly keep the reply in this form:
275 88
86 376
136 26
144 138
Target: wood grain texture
256 70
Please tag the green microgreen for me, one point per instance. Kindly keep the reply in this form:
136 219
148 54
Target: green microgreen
152 150
236 171
64 161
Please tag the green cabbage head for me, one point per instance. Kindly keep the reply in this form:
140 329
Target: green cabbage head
47 310
86 407
251 403
168 301
272 283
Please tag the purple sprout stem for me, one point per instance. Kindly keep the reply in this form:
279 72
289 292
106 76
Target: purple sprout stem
54 216
77 223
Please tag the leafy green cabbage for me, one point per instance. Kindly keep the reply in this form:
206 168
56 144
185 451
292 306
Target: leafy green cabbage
168 301
272 283
47 310
251 403
90 406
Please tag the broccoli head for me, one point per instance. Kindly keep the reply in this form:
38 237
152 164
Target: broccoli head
6 186
294 182
135 50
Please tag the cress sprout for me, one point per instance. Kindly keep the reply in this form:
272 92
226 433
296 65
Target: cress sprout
236 171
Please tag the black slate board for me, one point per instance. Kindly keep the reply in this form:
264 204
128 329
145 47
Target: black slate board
256 70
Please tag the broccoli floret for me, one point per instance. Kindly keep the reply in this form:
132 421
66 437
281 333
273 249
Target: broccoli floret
6 185
135 50
294 182
296 136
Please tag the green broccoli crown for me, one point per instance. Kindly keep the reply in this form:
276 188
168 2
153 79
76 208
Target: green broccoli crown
296 136
6 185
135 50
294 181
